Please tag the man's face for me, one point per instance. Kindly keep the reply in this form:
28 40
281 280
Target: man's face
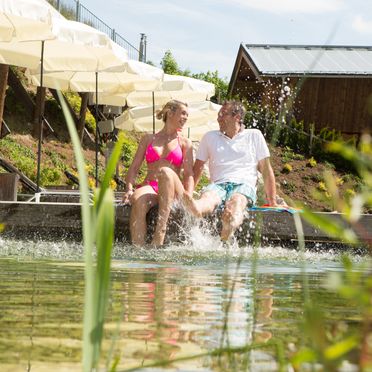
226 119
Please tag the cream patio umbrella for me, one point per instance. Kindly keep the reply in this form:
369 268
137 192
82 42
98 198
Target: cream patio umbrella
22 20
178 87
128 77
201 115
75 47
133 75
196 133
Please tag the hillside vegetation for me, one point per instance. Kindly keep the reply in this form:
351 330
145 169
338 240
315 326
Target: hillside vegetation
299 177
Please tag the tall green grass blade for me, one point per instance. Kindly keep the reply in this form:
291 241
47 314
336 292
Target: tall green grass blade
104 240
305 355
88 324
330 226
341 348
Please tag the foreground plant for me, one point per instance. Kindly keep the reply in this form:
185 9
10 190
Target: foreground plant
98 235
330 349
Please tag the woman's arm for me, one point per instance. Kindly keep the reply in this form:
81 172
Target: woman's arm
133 169
188 179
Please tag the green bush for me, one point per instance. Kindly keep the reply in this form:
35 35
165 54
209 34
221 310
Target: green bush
75 102
292 134
312 163
287 168
50 176
27 166
57 160
130 145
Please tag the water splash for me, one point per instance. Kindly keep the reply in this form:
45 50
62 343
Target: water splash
200 245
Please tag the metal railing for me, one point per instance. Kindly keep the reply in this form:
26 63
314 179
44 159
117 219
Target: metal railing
74 10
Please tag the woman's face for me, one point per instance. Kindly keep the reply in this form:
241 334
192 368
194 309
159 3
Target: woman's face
179 117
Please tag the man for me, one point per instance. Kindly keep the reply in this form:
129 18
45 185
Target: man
235 155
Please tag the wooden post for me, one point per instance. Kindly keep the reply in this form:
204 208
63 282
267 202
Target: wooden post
8 186
39 110
83 111
312 129
3 85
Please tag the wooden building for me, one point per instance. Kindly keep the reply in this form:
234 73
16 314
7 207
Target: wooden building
330 86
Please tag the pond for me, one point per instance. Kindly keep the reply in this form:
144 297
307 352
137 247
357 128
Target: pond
166 303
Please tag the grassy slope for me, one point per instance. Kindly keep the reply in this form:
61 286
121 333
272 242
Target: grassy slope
20 149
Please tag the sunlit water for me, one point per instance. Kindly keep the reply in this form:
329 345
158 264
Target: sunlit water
165 303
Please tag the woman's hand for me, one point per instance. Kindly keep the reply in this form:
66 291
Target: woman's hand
127 195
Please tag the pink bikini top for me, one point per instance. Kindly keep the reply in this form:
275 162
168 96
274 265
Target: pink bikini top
174 157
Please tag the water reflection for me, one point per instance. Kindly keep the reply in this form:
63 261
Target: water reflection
164 304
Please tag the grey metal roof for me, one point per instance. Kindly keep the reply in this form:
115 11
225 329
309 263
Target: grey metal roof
310 60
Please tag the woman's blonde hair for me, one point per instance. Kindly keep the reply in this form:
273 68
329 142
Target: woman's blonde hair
172 105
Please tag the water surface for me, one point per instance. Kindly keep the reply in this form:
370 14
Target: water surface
166 303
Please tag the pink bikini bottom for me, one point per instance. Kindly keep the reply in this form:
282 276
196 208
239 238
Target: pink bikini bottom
152 183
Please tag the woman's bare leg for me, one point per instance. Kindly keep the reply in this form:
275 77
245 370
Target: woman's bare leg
205 205
233 215
170 188
142 200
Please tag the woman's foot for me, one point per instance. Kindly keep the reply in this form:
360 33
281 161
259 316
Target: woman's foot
191 205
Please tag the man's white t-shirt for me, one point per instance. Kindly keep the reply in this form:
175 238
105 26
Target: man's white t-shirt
233 159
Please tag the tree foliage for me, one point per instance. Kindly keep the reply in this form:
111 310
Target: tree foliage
170 66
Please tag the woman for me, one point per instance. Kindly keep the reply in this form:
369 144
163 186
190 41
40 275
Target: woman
165 152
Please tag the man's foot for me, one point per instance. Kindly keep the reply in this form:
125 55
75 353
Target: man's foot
158 238
226 233
191 205
228 227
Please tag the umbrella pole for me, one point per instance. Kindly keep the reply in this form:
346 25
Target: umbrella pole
40 123
153 112
97 132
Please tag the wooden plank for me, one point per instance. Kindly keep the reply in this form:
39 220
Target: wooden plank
49 221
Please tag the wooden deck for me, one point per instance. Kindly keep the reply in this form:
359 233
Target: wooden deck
52 220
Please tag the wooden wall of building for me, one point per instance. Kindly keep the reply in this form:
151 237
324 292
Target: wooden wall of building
344 104
341 103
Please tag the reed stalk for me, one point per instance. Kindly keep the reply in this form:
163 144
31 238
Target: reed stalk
98 221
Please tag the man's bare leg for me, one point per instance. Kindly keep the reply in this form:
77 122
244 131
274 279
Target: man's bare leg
205 205
233 215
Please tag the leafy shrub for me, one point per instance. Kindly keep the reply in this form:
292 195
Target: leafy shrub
130 145
50 176
288 186
312 163
287 168
27 166
289 155
322 186
16 150
75 102
349 193
317 177
56 159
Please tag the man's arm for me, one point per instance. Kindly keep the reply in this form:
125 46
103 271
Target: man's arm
268 176
198 170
